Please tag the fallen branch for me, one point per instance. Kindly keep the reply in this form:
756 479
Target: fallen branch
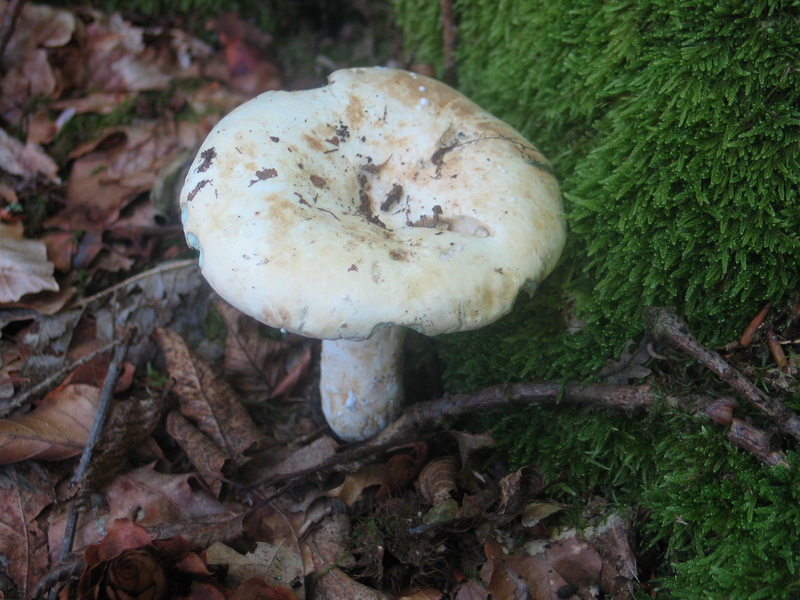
424 415
666 326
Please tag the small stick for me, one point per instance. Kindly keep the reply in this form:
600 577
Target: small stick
51 380
665 325
115 370
755 441
424 415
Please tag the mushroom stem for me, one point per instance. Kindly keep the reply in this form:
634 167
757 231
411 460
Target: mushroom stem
361 383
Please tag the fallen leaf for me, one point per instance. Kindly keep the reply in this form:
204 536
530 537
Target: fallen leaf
25 490
629 365
56 429
207 400
277 565
148 497
471 590
207 458
334 584
24 268
255 364
354 484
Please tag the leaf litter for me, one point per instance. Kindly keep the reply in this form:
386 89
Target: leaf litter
207 479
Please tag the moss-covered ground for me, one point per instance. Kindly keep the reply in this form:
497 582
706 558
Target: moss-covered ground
674 128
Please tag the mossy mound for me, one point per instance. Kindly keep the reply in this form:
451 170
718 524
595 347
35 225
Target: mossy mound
674 128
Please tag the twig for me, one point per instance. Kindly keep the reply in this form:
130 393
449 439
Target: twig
666 326
178 264
115 370
423 416
755 441
51 381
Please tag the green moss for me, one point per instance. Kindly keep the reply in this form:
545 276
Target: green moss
674 128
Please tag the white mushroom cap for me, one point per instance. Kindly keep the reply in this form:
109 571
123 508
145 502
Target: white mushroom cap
384 198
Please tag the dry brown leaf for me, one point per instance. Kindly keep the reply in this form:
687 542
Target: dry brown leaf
201 451
334 584
299 459
25 490
207 400
25 60
117 167
629 365
54 430
25 160
257 365
122 57
148 497
24 268
279 564
471 590
354 484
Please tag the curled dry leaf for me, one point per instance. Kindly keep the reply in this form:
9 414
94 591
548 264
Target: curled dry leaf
128 564
56 429
117 166
201 451
24 268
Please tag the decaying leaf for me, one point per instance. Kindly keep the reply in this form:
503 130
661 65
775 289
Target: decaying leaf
25 490
278 565
256 365
25 160
208 401
54 430
151 498
24 268
629 365
574 564
207 458
335 584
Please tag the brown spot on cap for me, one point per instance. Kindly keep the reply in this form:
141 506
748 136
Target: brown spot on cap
200 185
208 157
352 268
263 175
318 181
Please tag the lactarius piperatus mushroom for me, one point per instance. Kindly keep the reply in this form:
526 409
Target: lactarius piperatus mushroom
381 201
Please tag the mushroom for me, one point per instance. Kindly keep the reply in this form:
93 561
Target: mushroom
385 200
